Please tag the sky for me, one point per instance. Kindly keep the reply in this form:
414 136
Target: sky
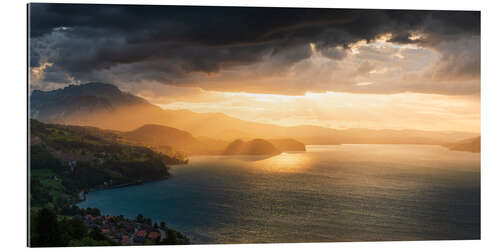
337 68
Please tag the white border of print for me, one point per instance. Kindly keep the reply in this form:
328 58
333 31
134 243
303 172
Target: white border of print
14 117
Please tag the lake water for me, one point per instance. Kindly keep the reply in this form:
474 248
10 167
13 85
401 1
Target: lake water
329 193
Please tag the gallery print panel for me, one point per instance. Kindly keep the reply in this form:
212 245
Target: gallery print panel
161 125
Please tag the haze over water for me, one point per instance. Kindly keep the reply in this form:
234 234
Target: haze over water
329 193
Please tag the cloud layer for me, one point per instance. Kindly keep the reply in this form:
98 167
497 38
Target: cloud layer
262 50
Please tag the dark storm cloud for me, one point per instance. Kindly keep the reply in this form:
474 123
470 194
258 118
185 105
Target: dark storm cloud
167 43
34 59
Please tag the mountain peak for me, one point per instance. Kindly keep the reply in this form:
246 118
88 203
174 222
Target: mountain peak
107 91
83 99
93 88
98 84
79 87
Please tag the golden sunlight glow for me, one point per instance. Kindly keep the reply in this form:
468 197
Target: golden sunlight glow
343 110
416 36
364 83
378 85
355 46
38 71
285 162
313 48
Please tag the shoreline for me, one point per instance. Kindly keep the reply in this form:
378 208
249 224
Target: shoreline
128 184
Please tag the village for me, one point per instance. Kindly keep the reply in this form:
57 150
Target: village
125 231
121 230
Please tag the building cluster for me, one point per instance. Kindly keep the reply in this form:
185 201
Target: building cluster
124 231
72 164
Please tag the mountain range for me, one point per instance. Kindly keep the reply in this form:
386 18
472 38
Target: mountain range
106 106
468 145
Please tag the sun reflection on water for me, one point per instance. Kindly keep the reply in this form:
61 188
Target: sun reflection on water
286 162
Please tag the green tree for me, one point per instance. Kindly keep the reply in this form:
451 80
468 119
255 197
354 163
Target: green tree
97 234
140 218
48 229
87 241
93 211
76 228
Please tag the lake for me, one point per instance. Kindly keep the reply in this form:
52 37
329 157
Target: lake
329 193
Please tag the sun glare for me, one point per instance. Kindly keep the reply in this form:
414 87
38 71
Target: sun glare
286 162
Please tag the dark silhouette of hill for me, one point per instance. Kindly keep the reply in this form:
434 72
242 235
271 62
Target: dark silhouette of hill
288 144
106 91
167 139
105 106
99 154
469 145
253 147
82 104
170 140
157 135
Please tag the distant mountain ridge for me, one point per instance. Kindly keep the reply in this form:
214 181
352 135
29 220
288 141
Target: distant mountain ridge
162 136
107 91
105 106
164 139
159 135
78 101
468 145
288 144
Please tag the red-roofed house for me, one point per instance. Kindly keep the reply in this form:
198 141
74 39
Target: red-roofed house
153 235
141 233
125 240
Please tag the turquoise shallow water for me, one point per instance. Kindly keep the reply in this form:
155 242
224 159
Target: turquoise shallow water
329 193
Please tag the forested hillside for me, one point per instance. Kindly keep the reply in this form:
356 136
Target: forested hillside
67 161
